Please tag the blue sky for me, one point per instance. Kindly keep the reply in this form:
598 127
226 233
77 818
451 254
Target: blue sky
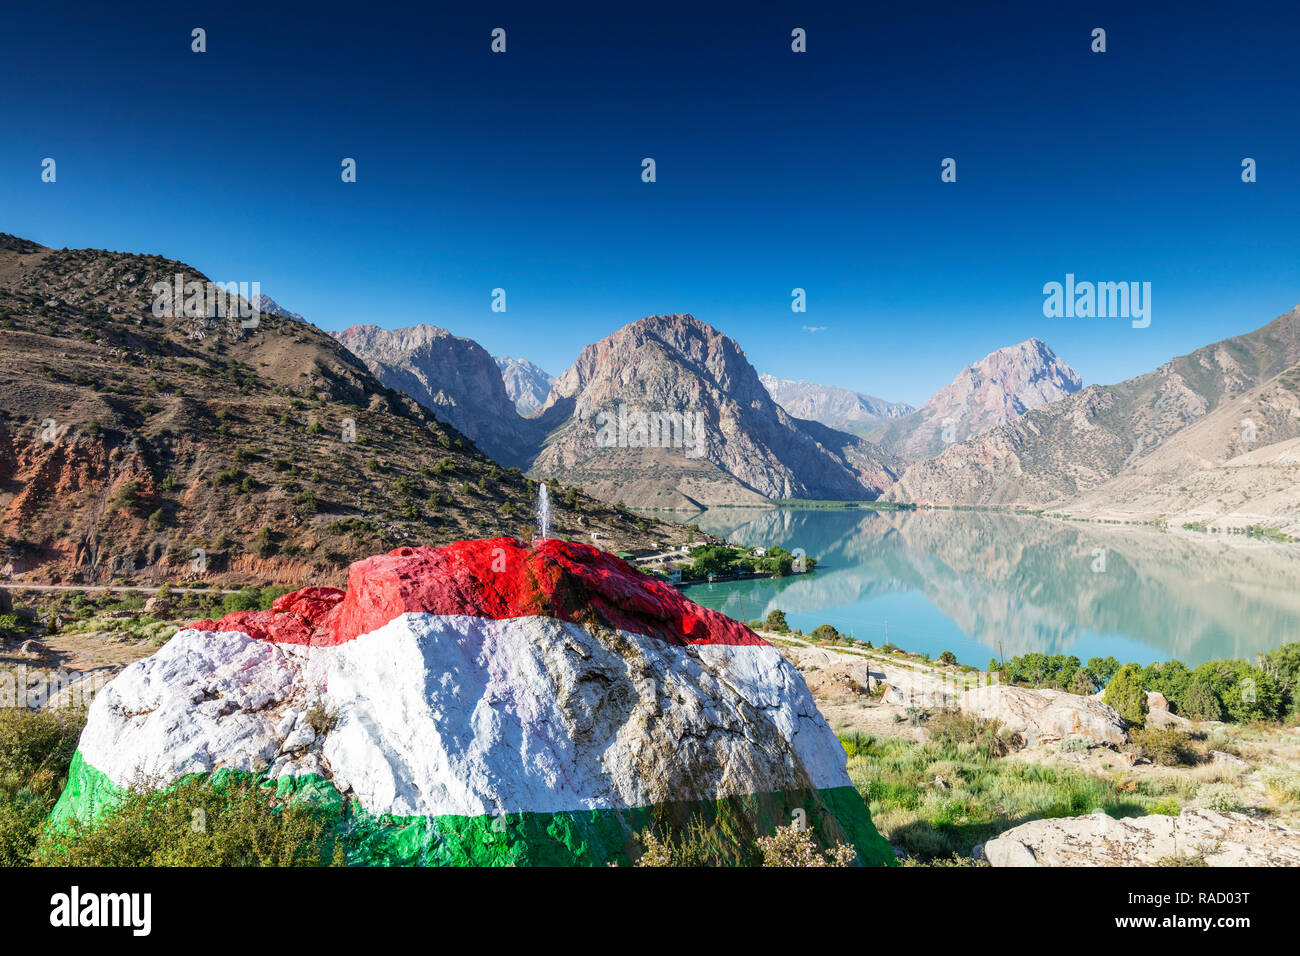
775 170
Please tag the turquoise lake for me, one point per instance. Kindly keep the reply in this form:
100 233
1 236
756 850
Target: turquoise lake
968 582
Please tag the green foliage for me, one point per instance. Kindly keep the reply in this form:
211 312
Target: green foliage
948 658
225 820
10 626
1042 670
825 632
1102 669
1125 693
36 748
1200 702
775 621
1245 692
1166 746
1171 678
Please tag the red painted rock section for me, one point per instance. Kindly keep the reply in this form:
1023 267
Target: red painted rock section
497 578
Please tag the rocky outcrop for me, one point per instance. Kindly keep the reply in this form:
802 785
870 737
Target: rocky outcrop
526 384
1042 714
667 412
1063 450
1219 839
453 377
997 389
840 408
485 703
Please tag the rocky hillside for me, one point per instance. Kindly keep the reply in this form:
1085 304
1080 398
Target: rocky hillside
997 389
667 412
1057 452
128 441
840 408
526 384
453 377
1238 466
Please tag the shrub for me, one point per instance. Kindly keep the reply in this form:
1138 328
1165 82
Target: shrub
1283 784
36 748
1125 693
987 737
1223 797
1166 746
1082 683
793 846
225 820
825 632
1245 692
948 657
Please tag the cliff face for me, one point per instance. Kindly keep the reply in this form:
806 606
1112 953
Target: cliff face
668 412
526 383
453 377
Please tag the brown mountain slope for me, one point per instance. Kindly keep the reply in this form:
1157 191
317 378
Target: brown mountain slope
1065 449
714 434
128 441
1236 467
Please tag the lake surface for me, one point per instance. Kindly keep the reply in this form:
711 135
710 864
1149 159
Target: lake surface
967 581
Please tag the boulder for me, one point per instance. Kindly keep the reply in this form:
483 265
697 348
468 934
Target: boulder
485 703
1229 761
1221 839
1157 701
1042 715
6 602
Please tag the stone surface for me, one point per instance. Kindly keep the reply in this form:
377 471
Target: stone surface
456 684
1045 715
1157 701
526 384
1221 839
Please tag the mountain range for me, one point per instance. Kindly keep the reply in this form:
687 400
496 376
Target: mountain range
836 407
144 447
1067 449
526 384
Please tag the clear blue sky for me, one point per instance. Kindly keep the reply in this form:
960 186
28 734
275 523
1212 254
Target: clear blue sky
775 170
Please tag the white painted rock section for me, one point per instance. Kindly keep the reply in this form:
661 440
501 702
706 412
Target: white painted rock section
468 716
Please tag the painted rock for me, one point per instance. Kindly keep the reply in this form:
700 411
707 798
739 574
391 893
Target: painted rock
485 703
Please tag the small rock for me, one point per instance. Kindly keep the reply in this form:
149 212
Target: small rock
1126 759
30 648
940 784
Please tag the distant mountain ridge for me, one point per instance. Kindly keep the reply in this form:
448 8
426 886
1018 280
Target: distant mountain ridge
997 389
1065 449
527 384
840 408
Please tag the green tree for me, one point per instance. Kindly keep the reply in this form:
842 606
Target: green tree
1200 702
775 621
1125 693
1245 691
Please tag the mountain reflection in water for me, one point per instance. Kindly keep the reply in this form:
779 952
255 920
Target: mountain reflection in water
965 581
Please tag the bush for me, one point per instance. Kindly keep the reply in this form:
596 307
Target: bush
948 658
1167 746
36 748
1125 693
792 846
1223 797
987 737
825 632
225 820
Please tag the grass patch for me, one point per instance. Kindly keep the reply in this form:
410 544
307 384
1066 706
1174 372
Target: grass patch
986 794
